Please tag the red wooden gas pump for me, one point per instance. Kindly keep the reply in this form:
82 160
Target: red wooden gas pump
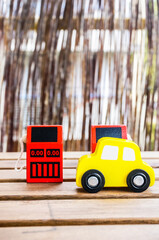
99 131
44 153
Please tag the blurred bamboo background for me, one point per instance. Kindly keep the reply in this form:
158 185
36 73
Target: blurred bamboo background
77 63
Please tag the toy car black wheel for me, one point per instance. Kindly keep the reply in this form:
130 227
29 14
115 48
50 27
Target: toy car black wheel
93 181
138 180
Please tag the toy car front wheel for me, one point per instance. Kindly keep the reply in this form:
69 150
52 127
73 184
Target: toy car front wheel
138 180
93 181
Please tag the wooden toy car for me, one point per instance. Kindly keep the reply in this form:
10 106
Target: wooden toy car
115 163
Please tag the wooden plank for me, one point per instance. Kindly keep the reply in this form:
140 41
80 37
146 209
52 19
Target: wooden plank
69 175
10 164
68 163
74 155
67 190
153 162
81 212
11 155
13 176
138 232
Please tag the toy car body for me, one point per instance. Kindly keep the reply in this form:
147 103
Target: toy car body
115 163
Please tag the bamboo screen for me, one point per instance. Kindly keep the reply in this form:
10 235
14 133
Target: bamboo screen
77 63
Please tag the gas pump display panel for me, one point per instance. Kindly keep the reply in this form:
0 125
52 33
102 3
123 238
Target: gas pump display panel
99 131
44 153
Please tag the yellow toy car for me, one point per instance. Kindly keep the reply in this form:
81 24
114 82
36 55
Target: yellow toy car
115 163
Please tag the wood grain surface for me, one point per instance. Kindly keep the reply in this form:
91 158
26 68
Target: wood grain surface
64 211
67 190
78 212
87 232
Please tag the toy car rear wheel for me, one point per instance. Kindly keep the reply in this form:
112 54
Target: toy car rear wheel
93 181
138 180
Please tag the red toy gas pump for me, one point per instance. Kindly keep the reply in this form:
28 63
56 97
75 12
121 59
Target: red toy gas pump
44 153
99 131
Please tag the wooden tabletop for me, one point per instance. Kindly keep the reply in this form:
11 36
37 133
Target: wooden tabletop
63 211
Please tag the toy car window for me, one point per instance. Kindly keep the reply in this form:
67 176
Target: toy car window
128 154
110 152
